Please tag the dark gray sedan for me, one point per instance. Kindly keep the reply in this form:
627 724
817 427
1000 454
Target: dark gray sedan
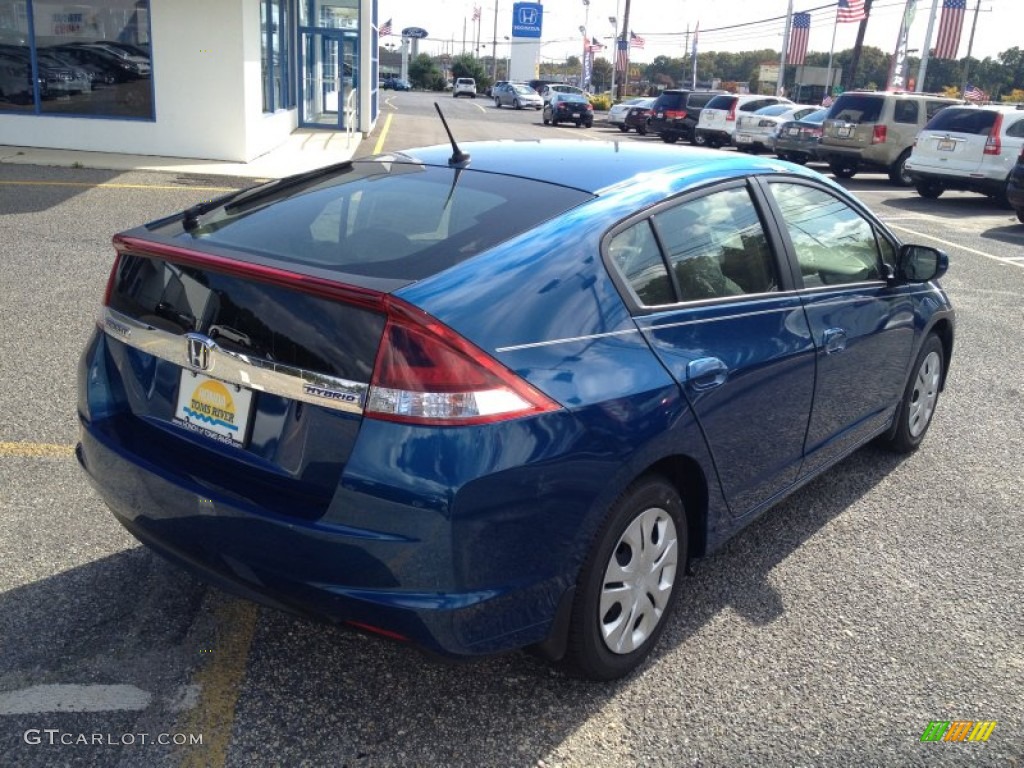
797 140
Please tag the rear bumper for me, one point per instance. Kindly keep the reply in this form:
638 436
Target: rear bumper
1015 189
397 585
964 183
719 137
863 158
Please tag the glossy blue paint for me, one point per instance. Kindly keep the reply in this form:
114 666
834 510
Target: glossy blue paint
465 539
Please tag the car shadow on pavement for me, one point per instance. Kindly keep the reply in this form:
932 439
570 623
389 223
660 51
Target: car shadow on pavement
1012 234
31 189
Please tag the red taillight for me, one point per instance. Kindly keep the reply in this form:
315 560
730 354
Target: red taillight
427 374
590 107
993 145
878 136
111 279
673 115
732 111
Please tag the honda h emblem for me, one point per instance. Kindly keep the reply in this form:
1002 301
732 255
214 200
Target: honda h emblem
528 16
197 350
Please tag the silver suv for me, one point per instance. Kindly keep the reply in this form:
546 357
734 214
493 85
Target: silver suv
867 130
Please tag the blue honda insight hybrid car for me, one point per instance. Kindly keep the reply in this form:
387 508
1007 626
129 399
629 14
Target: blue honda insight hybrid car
499 401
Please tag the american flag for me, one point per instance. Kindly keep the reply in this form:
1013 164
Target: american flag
798 36
952 23
622 57
974 93
385 29
593 46
850 10
635 40
476 13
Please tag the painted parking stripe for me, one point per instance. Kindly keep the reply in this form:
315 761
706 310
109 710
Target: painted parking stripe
45 699
114 185
383 134
1016 261
36 450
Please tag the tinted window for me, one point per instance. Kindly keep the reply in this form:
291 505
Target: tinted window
834 244
716 246
932 108
962 120
635 253
775 109
753 106
385 219
857 108
905 111
669 101
1016 130
722 102
699 100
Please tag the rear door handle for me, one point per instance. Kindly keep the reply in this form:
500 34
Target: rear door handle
706 373
834 340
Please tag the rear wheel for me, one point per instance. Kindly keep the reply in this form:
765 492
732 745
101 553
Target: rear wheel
624 128
929 189
628 586
1020 215
642 130
497 103
898 173
914 415
843 169
698 140
670 138
516 104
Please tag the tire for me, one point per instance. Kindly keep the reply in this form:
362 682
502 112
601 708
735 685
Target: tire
914 415
898 174
843 169
641 130
545 119
624 128
516 104
670 138
632 571
497 103
698 140
554 120
1020 215
929 189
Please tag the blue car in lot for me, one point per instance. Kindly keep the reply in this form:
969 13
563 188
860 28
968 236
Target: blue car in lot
512 415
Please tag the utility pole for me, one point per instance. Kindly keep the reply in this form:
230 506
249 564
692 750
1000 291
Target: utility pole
970 47
851 76
623 45
780 86
494 46
922 70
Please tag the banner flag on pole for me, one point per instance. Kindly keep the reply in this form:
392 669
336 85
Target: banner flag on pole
798 36
850 10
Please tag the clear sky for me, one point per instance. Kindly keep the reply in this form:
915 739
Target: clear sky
663 25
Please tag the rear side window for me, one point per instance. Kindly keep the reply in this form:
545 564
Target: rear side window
716 246
753 106
905 111
1016 130
398 220
957 120
699 100
857 108
635 253
722 102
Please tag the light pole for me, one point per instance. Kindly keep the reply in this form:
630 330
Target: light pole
508 59
586 43
615 42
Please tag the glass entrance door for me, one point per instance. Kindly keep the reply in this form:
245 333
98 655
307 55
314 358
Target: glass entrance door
330 65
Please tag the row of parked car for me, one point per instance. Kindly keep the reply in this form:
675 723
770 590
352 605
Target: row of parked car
933 143
69 68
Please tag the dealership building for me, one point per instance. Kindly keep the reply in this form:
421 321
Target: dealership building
218 79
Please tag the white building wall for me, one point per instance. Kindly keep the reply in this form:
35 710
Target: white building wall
207 84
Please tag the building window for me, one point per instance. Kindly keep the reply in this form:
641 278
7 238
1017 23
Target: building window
275 28
89 59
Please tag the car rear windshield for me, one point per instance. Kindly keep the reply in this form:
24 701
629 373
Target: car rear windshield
670 101
722 102
955 120
699 100
388 219
857 108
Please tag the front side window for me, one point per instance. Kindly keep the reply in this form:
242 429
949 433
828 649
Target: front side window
716 247
92 58
834 244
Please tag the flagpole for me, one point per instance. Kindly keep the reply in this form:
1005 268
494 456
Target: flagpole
693 54
970 47
831 51
922 70
780 85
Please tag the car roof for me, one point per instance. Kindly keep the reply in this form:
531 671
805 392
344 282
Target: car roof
599 166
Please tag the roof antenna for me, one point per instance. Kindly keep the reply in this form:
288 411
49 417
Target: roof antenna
458 156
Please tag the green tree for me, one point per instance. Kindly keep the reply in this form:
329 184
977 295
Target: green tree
601 75
467 66
423 72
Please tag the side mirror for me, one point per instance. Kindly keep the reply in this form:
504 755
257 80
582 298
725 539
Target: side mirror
921 263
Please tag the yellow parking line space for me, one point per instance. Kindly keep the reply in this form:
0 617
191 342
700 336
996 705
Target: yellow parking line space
220 684
36 450
114 185
383 134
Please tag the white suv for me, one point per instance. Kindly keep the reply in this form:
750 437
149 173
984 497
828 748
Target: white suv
464 86
717 124
968 148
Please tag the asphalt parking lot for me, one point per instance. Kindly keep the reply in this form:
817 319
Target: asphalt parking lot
883 596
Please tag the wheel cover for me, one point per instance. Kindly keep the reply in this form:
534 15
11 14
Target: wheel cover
638 581
925 394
